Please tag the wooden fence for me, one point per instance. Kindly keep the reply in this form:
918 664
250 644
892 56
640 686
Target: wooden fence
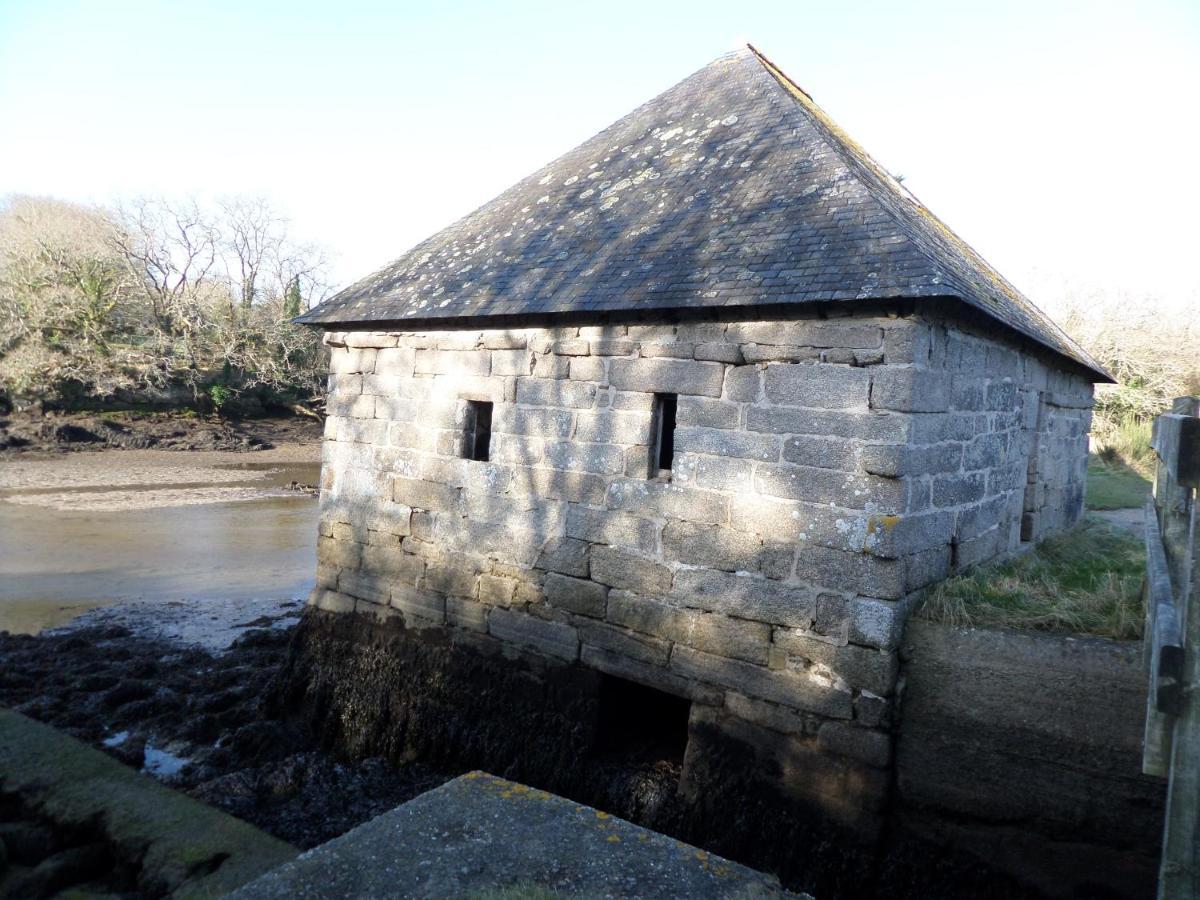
1172 596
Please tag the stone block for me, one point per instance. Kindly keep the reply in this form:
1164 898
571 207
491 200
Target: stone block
706 413
956 490
622 666
566 556
613 347
573 347
828 423
331 601
818 386
469 614
612 427
364 586
900 460
830 486
874 748
766 353
452 362
452 573
719 352
745 596
624 642
716 548
556 484
586 368
511 362
456 340
818 452
654 499
602 526
420 494
517 449
771 715
352 362
550 638
374 339
671 376
552 392
391 562
550 366
909 390
619 568
719 442
842 570
417 603
795 690
743 383
722 473
495 590
875 623
603 459
395 361
506 340
832 618
811 333
338 554
582 597
860 667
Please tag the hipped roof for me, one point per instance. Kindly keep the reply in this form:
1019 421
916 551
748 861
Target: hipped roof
732 189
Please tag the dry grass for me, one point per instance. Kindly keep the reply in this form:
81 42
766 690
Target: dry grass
1087 581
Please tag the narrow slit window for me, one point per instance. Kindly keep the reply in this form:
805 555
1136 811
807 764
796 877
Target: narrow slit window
664 431
478 442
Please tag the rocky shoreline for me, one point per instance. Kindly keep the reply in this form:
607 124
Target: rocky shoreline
200 722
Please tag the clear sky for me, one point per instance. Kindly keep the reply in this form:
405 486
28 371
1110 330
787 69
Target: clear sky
1059 138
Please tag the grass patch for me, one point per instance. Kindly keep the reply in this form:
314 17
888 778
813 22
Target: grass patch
1114 485
1087 581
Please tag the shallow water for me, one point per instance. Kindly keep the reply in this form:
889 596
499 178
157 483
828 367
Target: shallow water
64 553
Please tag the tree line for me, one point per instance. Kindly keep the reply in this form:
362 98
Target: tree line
155 301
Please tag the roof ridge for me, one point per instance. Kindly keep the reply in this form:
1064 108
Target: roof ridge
841 141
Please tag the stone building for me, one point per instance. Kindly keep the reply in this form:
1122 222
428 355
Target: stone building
701 406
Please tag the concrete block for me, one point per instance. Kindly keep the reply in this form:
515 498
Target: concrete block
619 568
818 386
670 376
585 598
551 638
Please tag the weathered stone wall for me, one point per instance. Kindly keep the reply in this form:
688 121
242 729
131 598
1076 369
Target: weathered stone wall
825 470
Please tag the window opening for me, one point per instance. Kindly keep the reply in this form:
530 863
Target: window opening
665 406
478 442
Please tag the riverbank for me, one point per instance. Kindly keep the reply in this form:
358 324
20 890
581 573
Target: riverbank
52 433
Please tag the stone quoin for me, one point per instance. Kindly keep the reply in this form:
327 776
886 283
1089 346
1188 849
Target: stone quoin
702 405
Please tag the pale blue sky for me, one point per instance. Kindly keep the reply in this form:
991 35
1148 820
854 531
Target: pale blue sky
1059 138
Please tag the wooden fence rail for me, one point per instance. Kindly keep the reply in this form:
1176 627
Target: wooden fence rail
1172 642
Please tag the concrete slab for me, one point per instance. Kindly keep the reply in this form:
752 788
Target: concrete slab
176 845
481 836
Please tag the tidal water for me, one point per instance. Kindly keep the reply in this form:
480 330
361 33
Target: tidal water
77 545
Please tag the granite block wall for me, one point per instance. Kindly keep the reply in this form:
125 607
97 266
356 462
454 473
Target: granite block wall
825 470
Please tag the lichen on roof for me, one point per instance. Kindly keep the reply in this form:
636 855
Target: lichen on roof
730 189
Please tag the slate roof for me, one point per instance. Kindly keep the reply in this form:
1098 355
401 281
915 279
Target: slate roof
731 189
